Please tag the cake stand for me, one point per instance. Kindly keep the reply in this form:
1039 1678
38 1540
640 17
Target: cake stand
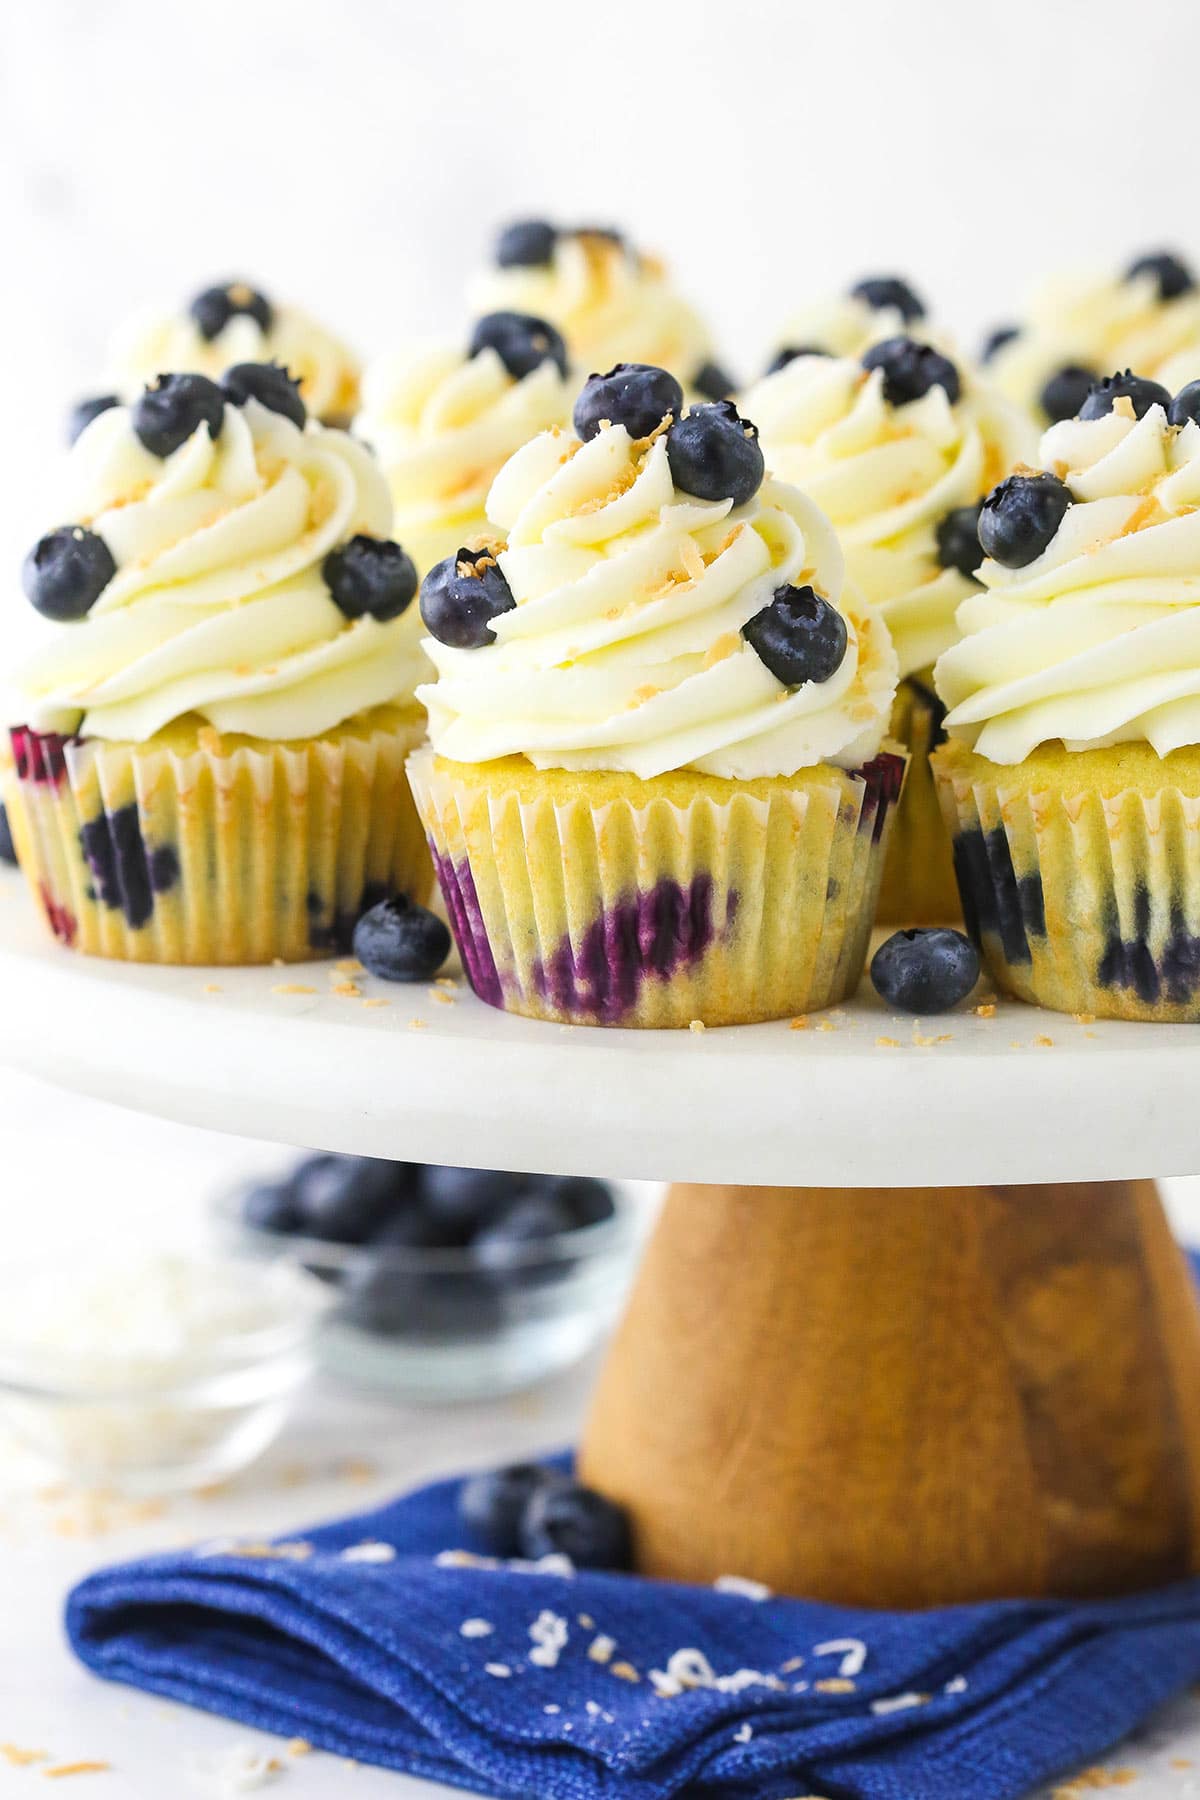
890 1385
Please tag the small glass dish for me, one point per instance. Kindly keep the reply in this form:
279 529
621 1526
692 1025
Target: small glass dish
151 1397
432 1325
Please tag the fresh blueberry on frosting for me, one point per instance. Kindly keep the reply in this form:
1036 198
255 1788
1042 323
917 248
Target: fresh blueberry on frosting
66 572
787 353
799 636
521 342
880 292
462 595
1185 407
713 382
370 578
269 384
84 411
1170 272
1020 517
212 310
957 538
1139 390
167 412
635 395
911 369
1066 391
996 340
526 244
714 454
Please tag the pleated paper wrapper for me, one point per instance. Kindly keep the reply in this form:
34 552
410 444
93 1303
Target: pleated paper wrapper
919 885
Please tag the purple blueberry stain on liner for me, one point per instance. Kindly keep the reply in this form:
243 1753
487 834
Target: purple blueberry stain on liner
650 935
40 756
470 928
126 872
883 778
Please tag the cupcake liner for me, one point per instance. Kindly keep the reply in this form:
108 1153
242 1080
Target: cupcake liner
919 885
193 848
600 899
1082 892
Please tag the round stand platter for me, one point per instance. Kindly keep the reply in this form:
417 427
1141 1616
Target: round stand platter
321 1056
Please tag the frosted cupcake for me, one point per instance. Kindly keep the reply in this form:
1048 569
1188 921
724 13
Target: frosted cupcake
1079 328
655 790
898 448
877 307
222 326
612 302
443 419
1071 778
207 756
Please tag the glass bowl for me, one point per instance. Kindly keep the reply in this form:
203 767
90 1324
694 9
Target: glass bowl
130 1388
442 1324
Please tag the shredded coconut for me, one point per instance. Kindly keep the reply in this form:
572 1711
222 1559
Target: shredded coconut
743 1586
369 1553
852 1651
476 1628
549 1633
898 1703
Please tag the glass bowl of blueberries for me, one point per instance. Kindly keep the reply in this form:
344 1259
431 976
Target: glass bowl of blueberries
449 1283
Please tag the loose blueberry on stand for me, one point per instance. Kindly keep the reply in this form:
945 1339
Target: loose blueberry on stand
925 971
166 413
910 370
370 578
398 941
800 637
84 411
462 595
714 382
635 395
212 310
1138 389
879 291
269 384
493 1504
1185 407
1020 517
958 545
567 1519
1066 391
8 852
996 339
66 572
715 454
1170 272
523 343
526 244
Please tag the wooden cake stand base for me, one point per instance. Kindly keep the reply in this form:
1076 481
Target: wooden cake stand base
910 1396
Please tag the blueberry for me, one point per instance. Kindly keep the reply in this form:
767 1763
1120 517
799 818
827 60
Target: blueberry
270 384
84 411
1170 272
1065 392
713 381
8 851
272 1206
401 942
526 244
522 342
714 454
588 1200
1021 516
167 412
66 572
958 545
347 1199
880 291
213 309
799 636
493 1504
463 1201
911 369
567 1519
462 595
635 395
996 339
1186 405
925 971
788 354
370 578
1139 389
531 1219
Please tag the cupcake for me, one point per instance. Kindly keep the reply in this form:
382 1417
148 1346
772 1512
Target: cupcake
443 419
221 327
655 790
1079 328
878 306
1071 774
207 755
897 448
612 302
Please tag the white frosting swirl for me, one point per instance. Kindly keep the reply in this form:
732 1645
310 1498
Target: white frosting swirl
154 341
218 607
443 424
844 325
611 303
886 476
1097 641
625 648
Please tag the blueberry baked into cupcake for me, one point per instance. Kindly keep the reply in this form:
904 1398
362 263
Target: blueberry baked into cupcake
442 418
220 327
898 446
878 306
207 755
1079 328
1071 774
611 302
655 789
